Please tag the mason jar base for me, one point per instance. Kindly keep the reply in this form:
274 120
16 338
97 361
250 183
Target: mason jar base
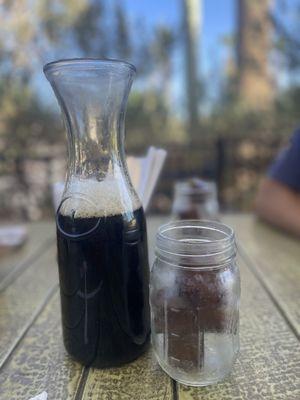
195 380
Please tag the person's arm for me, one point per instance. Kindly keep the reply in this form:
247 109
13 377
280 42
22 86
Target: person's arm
279 205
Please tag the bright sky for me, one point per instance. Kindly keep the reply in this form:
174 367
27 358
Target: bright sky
218 18
218 21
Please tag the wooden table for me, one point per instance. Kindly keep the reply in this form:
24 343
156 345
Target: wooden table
33 359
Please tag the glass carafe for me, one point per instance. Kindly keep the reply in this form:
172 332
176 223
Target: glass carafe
101 228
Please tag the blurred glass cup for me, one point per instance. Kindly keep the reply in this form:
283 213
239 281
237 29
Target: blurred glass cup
194 298
195 199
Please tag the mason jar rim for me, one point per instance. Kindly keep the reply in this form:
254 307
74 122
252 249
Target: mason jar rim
196 243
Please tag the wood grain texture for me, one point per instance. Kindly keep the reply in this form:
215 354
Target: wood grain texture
20 301
275 258
40 362
268 367
141 380
40 235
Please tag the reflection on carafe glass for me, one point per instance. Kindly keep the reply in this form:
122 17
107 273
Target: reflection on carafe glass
103 274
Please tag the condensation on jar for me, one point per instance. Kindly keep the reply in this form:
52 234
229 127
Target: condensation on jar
194 297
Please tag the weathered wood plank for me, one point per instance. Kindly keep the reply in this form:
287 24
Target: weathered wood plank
21 301
275 258
40 362
268 367
40 235
142 379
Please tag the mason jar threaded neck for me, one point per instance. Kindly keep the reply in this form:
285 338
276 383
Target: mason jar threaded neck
195 243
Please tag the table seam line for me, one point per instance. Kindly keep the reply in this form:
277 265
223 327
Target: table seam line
251 266
174 389
51 292
18 269
82 383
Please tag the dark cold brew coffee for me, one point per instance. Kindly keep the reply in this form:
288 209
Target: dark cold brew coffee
103 271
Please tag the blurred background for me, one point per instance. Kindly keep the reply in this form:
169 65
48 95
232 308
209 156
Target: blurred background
218 86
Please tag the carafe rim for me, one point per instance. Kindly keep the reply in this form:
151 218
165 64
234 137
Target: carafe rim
92 63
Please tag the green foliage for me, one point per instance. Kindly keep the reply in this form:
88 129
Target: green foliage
144 130
24 122
122 37
163 45
60 29
88 30
33 32
230 119
287 40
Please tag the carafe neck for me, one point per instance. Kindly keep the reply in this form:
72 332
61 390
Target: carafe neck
92 95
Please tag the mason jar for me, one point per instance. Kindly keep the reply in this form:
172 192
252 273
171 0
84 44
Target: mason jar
195 199
194 298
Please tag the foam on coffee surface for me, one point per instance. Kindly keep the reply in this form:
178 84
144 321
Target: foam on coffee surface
86 198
